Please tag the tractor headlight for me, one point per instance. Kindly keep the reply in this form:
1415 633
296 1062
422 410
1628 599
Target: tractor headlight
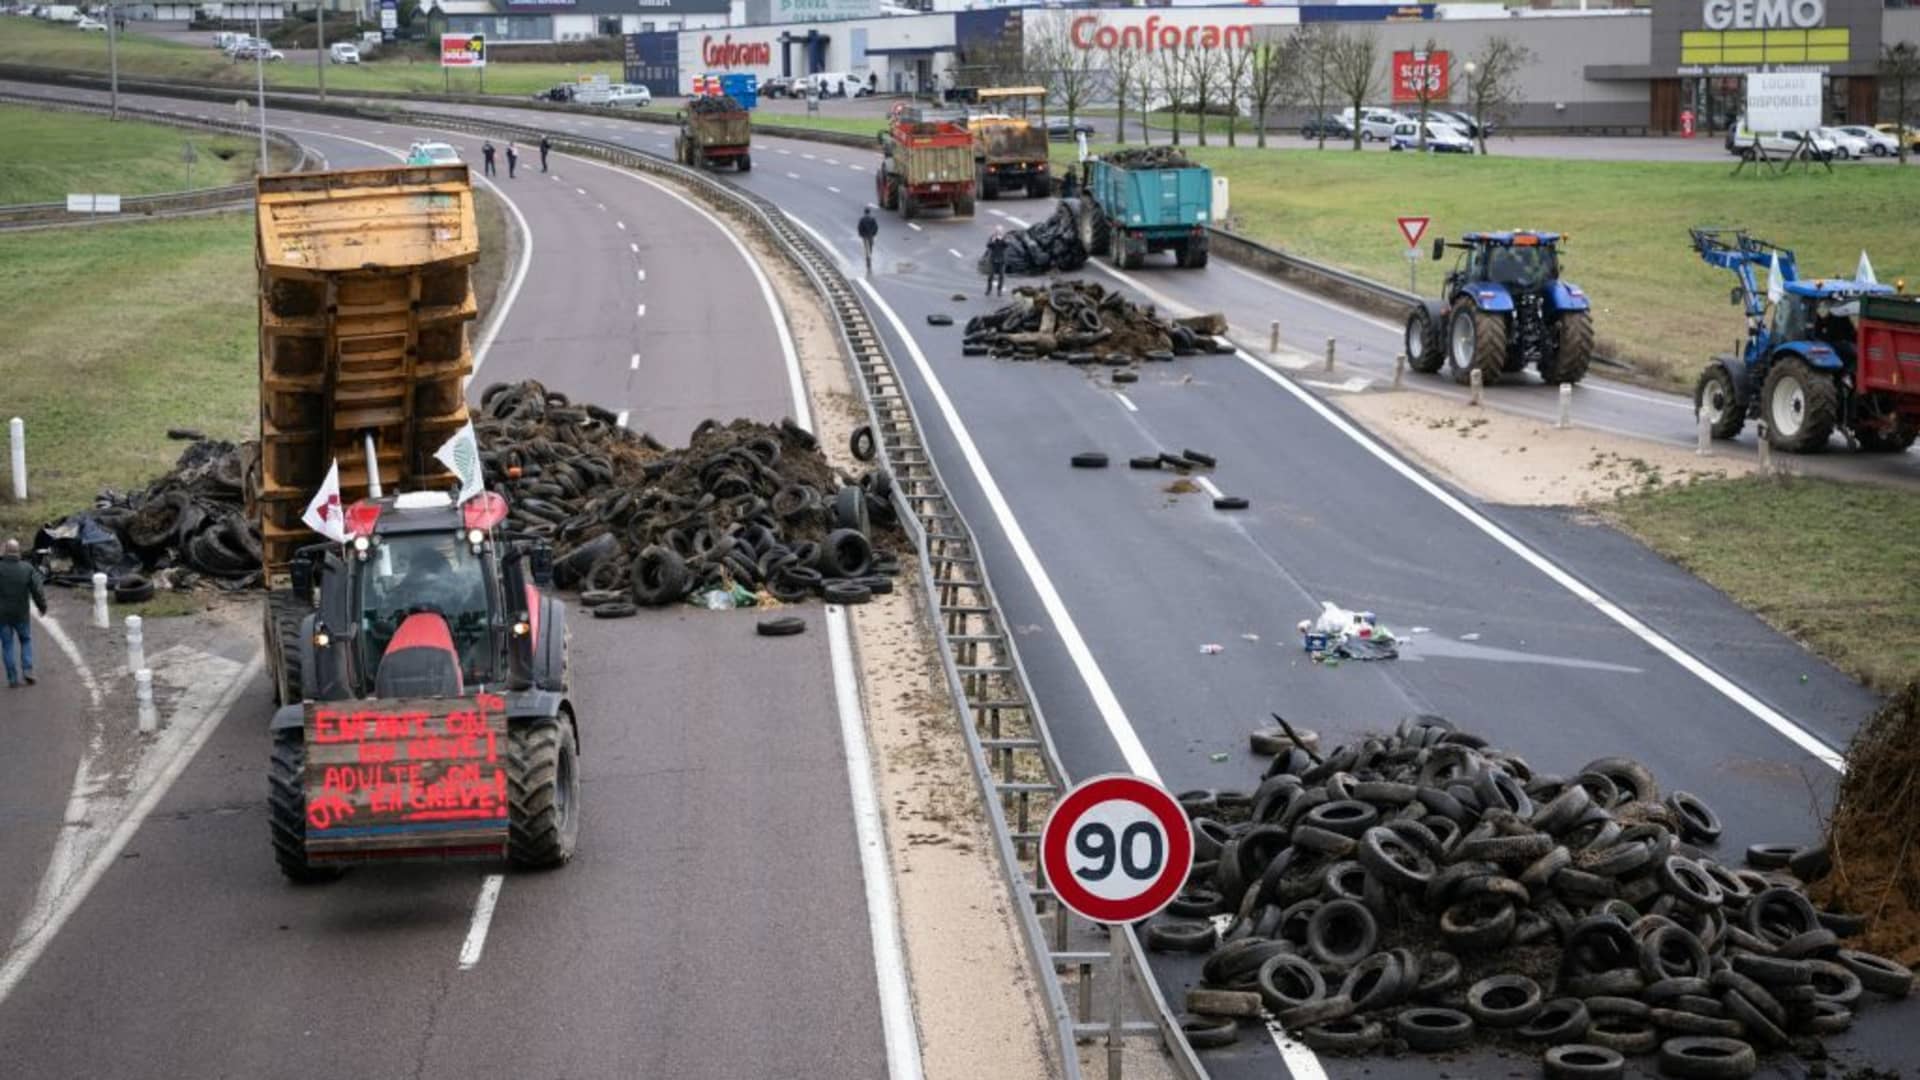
521 628
321 638
474 537
361 544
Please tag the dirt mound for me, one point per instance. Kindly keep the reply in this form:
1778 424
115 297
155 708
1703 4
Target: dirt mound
1082 322
1871 837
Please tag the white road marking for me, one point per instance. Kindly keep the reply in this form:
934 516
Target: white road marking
635 247
1016 221
641 274
580 190
621 224
640 312
1208 486
915 227
620 420
1127 401
793 176
72 652
833 161
1355 385
634 364
602 206
482 918
786 151
809 157
956 254
833 189
858 168
556 177
997 212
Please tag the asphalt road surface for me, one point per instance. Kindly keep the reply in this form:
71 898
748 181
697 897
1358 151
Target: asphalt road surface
714 923
1551 636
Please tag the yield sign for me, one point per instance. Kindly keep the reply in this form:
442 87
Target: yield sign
1413 228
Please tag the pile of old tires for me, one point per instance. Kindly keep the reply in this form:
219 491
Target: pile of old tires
1150 157
745 506
188 525
1425 891
1084 323
1052 246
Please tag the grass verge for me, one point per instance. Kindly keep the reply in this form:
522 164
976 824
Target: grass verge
868 126
52 153
496 246
1655 302
29 41
115 333
1838 572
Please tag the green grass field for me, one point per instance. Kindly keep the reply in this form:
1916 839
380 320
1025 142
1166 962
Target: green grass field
1839 568
52 153
30 41
868 126
1655 302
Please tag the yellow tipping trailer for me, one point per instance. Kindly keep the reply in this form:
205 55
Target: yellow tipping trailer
364 303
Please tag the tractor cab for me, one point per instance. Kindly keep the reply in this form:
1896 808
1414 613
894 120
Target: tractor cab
1502 310
1516 261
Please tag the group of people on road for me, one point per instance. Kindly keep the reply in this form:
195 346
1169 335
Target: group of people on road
869 228
513 157
19 587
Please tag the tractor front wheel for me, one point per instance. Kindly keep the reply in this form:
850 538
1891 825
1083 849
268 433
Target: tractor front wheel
1476 341
285 612
1424 353
1569 362
1715 399
543 793
287 810
1801 406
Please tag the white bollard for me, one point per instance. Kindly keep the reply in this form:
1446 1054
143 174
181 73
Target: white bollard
143 693
1475 384
1399 369
1329 354
17 433
1273 336
1566 407
100 619
136 644
1703 435
1766 449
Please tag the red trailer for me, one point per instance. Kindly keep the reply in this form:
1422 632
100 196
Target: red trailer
1886 391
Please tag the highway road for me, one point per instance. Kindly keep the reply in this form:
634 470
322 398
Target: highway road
1552 636
715 922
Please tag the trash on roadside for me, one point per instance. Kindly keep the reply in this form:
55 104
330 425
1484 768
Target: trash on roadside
1084 323
1216 757
1211 650
1470 637
1338 634
1052 246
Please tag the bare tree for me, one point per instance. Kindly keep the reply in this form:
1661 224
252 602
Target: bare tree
1354 58
1899 71
1236 68
1272 76
1121 65
1066 70
1146 83
1313 80
1492 83
1170 76
1203 67
1426 79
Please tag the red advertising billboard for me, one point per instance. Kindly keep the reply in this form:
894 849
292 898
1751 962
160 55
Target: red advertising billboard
1418 73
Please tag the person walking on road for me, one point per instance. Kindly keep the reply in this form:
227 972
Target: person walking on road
513 160
869 228
546 145
997 261
19 586
486 157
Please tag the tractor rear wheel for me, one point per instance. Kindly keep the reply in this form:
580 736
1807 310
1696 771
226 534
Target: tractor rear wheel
1890 442
983 183
1801 406
287 810
745 162
1424 353
1099 231
543 793
1476 341
1714 398
285 612
963 206
1568 363
909 206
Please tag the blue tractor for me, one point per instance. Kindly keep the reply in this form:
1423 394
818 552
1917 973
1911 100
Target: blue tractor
1797 371
1504 307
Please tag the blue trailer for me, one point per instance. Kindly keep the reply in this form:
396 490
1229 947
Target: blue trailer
1135 203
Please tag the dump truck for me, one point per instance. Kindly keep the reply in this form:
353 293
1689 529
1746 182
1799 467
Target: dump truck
714 132
1138 202
925 161
1009 151
364 304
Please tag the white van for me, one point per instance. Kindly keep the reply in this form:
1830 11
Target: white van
1742 142
343 52
838 84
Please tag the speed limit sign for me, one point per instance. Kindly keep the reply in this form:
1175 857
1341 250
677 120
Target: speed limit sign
1117 848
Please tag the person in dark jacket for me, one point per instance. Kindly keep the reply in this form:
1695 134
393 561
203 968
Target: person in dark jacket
546 146
19 586
869 228
513 160
486 157
997 262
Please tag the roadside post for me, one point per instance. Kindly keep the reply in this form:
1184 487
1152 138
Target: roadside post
1565 420
1476 386
1413 228
136 644
1116 849
143 697
100 619
1399 369
17 435
1703 435
188 155
1273 337
1329 354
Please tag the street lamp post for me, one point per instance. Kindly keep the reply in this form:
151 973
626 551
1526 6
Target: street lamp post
1479 129
113 59
320 59
260 84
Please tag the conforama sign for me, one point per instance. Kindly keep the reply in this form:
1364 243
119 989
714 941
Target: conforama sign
1090 32
728 53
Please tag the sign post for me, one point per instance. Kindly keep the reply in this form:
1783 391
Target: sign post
1783 101
1413 228
1116 849
464 51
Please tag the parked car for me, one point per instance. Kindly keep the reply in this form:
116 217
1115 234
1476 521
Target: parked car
562 93
1467 124
343 52
1895 131
1847 146
1441 138
778 86
628 94
85 23
1749 144
1879 143
1059 129
838 84
1331 127
432 153
1376 125
259 50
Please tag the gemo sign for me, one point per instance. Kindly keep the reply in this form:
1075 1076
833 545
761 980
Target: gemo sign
1088 32
728 53
1763 14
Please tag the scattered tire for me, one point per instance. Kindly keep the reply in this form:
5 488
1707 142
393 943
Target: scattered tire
1877 973
591 598
1206 461
780 626
1125 376
939 320
615 609
1583 1061
1144 462
133 589
846 592
1209 1032
1090 460
1231 502
659 577
1429 1028
1172 936
1504 1001
1699 1057
862 443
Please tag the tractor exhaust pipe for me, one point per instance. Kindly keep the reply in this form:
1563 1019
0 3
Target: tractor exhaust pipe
373 468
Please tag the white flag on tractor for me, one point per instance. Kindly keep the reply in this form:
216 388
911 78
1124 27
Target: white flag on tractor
461 453
324 515
1864 272
1776 288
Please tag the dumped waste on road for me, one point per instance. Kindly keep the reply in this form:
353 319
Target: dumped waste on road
1427 891
1083 323
1052 246
746 508
1874 867
1340 634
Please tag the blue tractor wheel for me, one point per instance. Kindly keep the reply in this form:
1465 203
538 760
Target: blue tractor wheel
1476 341
1715 398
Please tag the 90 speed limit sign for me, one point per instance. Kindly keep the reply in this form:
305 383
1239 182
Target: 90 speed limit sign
1117 848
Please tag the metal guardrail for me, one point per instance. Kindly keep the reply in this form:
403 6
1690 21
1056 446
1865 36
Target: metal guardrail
136 206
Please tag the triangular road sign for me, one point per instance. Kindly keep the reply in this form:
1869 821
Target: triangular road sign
1413 228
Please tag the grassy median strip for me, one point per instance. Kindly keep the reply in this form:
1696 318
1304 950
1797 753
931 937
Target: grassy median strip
50 154
29 41
1830 564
